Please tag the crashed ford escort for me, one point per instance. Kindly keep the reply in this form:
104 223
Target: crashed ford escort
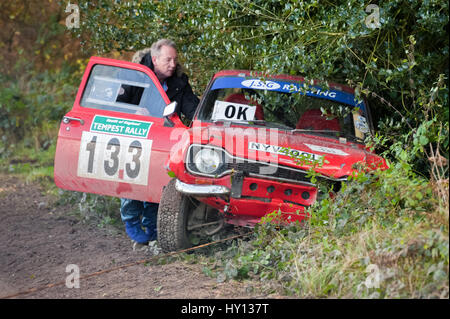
260 144
257 144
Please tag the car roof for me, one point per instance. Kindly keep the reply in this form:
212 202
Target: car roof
247 73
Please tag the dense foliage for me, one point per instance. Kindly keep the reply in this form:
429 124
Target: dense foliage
400 66
382 236
39 74
32 105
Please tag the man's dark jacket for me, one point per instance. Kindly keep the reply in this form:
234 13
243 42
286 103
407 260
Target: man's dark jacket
178 89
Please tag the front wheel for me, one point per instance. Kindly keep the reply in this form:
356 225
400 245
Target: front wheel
172 217
183 220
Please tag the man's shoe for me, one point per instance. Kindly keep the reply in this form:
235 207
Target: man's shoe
151 233
135 232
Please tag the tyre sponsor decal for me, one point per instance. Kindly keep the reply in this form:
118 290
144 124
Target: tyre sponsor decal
114 158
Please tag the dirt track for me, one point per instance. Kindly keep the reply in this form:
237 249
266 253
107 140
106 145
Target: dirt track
39 240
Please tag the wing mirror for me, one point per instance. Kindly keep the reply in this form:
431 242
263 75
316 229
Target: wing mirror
170 109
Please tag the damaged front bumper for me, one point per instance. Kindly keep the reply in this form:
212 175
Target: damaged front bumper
201 190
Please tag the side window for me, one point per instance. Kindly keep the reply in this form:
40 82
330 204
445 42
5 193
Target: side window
122 90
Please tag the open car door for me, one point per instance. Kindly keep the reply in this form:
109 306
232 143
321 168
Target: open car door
114 141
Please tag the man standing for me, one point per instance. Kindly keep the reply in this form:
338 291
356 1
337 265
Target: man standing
162 59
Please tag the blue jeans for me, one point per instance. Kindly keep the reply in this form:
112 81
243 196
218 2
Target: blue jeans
131 209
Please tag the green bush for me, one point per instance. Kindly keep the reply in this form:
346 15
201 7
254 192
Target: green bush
401 67
388 220
32 105
102 210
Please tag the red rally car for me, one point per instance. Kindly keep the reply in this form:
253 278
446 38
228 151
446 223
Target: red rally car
248 152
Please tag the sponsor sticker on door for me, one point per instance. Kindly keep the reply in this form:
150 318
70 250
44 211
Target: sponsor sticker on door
119 126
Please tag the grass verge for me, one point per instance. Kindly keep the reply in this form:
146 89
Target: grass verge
385 235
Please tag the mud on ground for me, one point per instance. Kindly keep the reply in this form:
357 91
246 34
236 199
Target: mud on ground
39 240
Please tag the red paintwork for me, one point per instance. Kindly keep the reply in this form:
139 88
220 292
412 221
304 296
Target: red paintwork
250 210
230 138
68 145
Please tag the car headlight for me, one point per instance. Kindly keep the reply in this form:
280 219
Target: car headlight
207 160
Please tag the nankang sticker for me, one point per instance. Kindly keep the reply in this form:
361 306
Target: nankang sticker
281 150
261 85
328 150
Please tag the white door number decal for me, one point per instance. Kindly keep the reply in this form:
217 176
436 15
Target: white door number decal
114 158
233 111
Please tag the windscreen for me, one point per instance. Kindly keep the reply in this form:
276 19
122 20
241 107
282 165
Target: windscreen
285 105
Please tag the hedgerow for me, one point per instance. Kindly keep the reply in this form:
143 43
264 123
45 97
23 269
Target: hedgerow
400 66
390 222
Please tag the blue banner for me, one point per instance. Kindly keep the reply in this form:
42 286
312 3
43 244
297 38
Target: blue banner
286 87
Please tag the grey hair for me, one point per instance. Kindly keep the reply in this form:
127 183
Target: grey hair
155 49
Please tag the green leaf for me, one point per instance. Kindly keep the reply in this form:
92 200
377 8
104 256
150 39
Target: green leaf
171 174
423 140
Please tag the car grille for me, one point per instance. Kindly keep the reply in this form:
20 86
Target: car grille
270 171
259 169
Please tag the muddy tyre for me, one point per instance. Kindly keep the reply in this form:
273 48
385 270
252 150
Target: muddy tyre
173 213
